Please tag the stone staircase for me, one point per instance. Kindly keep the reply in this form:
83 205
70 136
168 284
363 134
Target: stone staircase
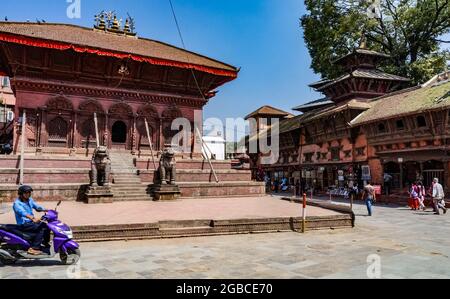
127 185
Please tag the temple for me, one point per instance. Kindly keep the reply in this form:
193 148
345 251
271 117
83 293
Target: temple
62 74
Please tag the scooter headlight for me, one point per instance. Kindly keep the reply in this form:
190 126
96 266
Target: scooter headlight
68 233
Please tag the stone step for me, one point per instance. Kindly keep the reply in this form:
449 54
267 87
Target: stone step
136 196
184 224
127 181
186 231
128 192
135 188
125 172
132 198
129 188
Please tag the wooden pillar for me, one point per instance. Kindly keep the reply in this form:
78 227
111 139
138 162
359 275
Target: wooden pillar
133 136
106 133
44 133
401 176
75 131
446 175
161 135
39 129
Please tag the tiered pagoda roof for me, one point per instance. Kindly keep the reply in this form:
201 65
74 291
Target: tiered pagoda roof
362 79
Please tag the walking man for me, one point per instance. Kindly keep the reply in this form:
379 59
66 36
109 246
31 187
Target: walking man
438 197
369 197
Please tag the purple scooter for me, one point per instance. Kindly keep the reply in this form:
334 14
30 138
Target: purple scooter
15 244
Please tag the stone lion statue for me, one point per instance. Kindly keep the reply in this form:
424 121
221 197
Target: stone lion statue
167 167
100 167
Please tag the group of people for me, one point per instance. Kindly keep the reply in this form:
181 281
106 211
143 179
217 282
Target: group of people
278 185
418 193
6 149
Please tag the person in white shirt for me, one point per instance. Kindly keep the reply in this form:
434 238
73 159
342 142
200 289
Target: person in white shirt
438 197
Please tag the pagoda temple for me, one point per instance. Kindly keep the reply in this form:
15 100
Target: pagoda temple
320 147
62 74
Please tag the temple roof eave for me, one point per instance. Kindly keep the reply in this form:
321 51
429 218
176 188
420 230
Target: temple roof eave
361 51
86 40
364 74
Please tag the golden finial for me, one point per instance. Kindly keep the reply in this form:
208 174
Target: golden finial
126 28
115 25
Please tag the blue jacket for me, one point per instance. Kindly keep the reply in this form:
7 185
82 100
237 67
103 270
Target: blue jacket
22 209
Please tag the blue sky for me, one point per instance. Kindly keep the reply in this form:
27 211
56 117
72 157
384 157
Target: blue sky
262 37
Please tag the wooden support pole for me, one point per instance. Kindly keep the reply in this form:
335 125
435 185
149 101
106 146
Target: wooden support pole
206 154
150 141
304 213
96 130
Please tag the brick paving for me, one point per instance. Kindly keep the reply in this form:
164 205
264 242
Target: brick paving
409 244
79 214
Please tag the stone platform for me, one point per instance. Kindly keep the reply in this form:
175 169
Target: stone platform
66 178
190 217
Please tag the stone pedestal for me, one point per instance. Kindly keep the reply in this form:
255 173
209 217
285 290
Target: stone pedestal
166 192
99 194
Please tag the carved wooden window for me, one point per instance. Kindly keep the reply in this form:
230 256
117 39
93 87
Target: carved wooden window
308 137
360 151
57 132
5 82
348 154
335 154
381 128
88 134
421 121
319 154
308 157
143 141
400 125
324 156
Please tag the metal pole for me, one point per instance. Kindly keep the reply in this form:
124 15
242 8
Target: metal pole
22 147
96 130
351 200
304 214
150 141
206 154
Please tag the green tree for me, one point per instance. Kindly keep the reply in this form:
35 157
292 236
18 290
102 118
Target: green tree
408 30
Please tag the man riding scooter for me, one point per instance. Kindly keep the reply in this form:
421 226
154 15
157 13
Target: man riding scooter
23 208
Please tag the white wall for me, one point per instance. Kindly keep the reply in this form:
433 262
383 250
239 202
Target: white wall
216 145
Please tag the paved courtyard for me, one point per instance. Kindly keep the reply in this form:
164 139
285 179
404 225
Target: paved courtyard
79 214
408 245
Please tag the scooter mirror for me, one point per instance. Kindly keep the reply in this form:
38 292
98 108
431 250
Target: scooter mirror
58 204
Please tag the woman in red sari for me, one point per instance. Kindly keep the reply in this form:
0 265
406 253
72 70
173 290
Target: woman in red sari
413 201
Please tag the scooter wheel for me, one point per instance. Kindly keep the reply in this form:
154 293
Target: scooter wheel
7 262
71 257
